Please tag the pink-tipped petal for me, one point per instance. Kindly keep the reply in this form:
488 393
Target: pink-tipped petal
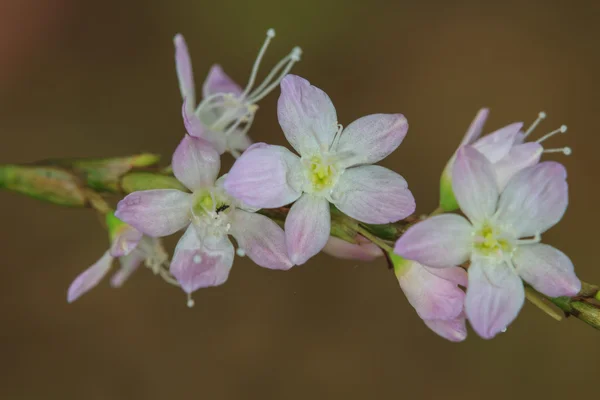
519 157
372 138
129 264
363 250
432 296
265 176
198 264
218 81
494 297
440 241
535 199
185 75
474 184
156 213
196 163
306 115
125 239
196 128
307 228
89 278
496 145
547 269
455 330
373 194
476 127
261 239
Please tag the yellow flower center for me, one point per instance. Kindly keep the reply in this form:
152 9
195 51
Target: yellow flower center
490 241
321 172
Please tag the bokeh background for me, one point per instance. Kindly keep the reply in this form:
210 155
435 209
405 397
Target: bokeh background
97 78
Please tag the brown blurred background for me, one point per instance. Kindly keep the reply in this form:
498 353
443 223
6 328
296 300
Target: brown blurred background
89 78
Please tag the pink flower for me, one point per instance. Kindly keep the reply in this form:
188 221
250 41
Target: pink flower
204 255
333 167
363 249
435 295
226 112
130 247
501 238
505 148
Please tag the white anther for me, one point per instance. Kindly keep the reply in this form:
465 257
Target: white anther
240 252
541 116
190 301
197 259
271 33
567 151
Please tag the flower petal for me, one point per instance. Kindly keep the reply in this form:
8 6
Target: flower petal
196 163
519 157
218 81
535 199
197 264
265 176
306 115
156 213
496 145
494 297
185 74
372 138
455 330
547 269
307 228
238 141
124 240
440 241
432 296
476 127
474 184
363 250
373 194
129 264
89 278
261 239
196 128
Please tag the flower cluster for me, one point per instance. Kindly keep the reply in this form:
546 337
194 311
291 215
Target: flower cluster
451 268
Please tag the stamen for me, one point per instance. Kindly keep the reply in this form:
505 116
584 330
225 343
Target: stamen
565 150
562 129
240 252
541 116
261 53
536 239
336 137
289 60
190 301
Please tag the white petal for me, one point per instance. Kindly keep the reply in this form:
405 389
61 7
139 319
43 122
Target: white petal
535 199
89 278
494 297
373 194
159 212
474 184
217 81
196 163
372 138
496 145
261 239
306 115
519 157
129 264
307 228
547 269
265 176
476 127
185 74
440 241
201 263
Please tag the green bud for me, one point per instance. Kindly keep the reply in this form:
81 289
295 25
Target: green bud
51 184
448 202
136 181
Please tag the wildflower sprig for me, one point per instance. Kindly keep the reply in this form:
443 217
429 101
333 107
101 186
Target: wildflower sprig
280 208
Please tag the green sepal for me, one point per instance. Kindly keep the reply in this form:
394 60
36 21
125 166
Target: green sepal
448 202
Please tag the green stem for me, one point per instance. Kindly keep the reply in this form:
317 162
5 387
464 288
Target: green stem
89 183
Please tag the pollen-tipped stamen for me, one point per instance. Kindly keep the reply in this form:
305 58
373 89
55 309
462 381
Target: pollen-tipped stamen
267 86
261 53
562 129
567 151
541 116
